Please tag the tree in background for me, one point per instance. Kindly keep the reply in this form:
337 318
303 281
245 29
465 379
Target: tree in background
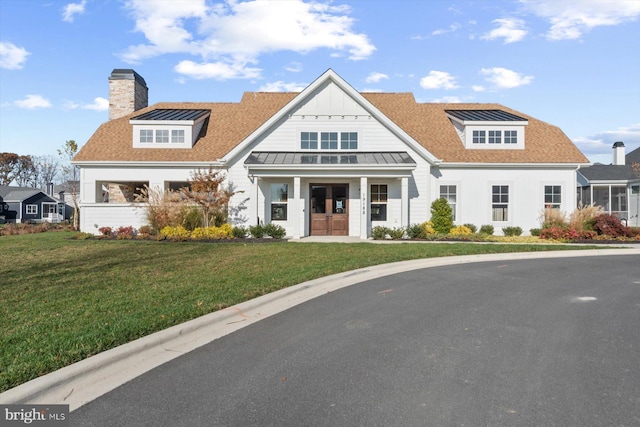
71 175
46 170
8 166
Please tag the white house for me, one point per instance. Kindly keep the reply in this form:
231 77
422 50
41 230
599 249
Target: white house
329 160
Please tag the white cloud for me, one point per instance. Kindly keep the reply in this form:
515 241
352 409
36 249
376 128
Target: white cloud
504 78
216 70
294 67
510 29
98 104
438 80
447 100
478 88
453 27
281 86
32 102
12 57
602 142
232 34
72 9
376 77
570 19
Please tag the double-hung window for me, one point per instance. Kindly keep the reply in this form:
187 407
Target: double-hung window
552 196
146 135
177 135
32 209
479 136
510 136
500 202
449 192
279 199
329 140
495 136
349 140
379 197
162 135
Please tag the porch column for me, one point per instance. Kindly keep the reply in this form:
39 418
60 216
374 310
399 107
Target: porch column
255 199
296 212
364 208
404 216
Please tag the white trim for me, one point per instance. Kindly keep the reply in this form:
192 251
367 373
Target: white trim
148 164
510 165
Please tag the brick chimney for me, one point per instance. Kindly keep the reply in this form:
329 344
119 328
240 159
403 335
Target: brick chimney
618 153
128 92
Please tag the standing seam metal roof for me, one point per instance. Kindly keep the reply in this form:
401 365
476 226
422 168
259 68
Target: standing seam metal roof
485 116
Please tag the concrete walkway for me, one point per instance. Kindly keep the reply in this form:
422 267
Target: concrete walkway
88 379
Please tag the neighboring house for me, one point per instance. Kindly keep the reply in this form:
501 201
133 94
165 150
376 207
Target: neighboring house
329 160
614 187
22 204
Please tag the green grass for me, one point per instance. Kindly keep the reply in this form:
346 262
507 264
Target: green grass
63 300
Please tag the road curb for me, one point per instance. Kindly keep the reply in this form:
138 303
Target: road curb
84 381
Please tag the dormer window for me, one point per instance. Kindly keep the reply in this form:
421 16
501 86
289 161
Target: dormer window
329 140
489 129
168 128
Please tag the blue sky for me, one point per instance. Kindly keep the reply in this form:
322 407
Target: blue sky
575 64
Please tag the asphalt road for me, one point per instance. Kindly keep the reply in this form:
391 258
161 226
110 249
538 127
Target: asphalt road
552 342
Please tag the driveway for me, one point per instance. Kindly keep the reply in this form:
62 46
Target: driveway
525 342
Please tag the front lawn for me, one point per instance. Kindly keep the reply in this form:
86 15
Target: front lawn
63 300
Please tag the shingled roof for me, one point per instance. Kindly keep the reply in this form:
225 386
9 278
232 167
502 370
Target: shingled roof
230 123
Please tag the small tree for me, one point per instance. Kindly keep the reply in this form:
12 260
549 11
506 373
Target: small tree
441 216
206 189
68 152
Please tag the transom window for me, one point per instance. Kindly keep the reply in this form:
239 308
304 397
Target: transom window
162 135
379 197
552 196
449 192
500 202
329 140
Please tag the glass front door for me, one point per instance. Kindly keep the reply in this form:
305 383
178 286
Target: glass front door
329 209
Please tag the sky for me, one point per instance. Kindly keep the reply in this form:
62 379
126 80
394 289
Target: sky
572 63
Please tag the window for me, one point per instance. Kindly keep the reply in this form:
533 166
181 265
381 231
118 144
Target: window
349 140
120 192
146 135
495 136
379 193
448 192
500 202
177 135
619 199
162 136
329 140
510 136
32 209
309 140
552 196
479 136
279 198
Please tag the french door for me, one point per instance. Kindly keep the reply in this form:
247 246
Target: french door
329 204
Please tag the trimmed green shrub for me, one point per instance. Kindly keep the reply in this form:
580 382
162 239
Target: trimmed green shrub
239 232
441 216
256 231
414 231
535 232
192 218
486 229
379 232
512 231
274 230
396 233
471 227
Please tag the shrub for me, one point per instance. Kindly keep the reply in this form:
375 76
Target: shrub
125 233
396 233
212 233
581 218
535 232
175 233
146 231
427 228
461 230
565 233
486 229
414 231
82 236
512 231
471 227
239 232
379 232
610 225
105 231
553 217
441 216
275 231
256 231
192 218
